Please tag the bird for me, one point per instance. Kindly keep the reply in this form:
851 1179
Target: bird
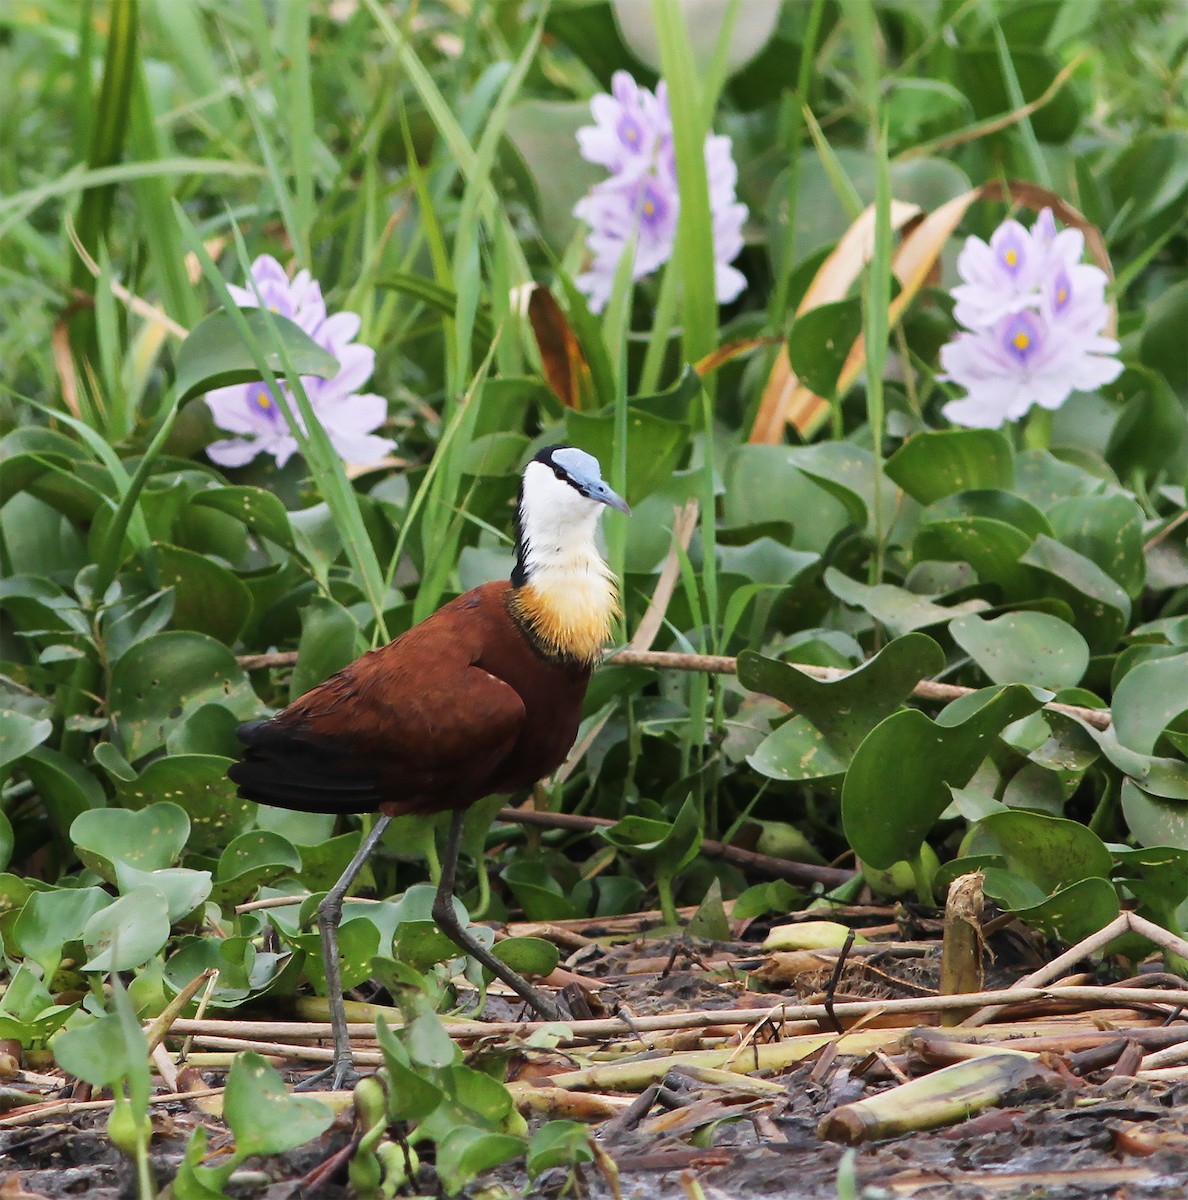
483 697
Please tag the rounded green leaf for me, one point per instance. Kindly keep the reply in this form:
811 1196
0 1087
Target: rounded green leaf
208 598
467 1151
1101 607
183 889
1051 852
260 511
831 718
162 680
264 1115
148 840
214 355
938 463
527 955
49 920
1153 820
1071 913
128 932
1024 647
251 859
1148 699
820 341
19 734
537 892
902 776
199 783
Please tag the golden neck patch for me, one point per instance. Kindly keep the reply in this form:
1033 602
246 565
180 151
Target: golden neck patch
567 611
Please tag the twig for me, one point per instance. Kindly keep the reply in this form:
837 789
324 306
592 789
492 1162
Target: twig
1123 923
604 1027
779 868
60 1108
724 664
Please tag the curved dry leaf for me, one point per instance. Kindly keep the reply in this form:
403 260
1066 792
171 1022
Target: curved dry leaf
786 400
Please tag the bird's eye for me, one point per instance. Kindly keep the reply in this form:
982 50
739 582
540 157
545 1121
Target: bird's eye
560 474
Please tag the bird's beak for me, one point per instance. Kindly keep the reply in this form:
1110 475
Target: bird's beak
611 499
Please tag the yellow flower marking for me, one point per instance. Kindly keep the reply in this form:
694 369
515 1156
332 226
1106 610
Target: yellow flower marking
649 208
1012 257
1022 341
1062 295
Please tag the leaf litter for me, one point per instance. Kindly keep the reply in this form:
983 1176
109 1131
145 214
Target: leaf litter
719 1068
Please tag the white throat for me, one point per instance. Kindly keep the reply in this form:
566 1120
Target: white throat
568 594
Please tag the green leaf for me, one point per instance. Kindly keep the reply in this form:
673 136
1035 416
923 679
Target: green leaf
527 955
214 355
537 892
66 788
182 888
148 840
429 1045
18 735
358 945
1148 699
128 932
49 920
199 783
937 463
895 607
670 846
251 859
558 1144
98 1053
208 598
831 718
1153 820
1071 913
411 1096
992 548
1101 607
466 1152
1108 530
1051 852
165 678
260 511
421 944
820 341
330 639
264 1115
899 780
1024 647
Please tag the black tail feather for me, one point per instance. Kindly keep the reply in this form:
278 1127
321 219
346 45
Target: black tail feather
285 770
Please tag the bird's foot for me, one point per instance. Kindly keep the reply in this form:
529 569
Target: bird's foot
337 1077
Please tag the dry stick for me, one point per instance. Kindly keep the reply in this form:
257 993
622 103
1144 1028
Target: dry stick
369 1058
724 664
60 1108
1110 997
1123 923
780 868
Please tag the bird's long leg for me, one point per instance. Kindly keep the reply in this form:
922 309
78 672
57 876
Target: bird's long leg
329 915
448 923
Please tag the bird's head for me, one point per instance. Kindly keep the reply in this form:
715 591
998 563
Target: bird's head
562 495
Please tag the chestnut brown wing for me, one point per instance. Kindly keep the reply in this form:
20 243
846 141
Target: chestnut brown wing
414 726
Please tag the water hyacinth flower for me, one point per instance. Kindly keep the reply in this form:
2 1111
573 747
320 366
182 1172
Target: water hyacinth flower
253 413
632 138
1033 316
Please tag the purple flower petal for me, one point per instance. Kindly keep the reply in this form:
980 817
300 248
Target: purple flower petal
254 412
641 200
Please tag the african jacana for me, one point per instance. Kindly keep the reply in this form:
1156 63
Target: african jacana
482 697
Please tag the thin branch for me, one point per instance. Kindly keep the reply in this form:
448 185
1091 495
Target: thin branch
724 664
